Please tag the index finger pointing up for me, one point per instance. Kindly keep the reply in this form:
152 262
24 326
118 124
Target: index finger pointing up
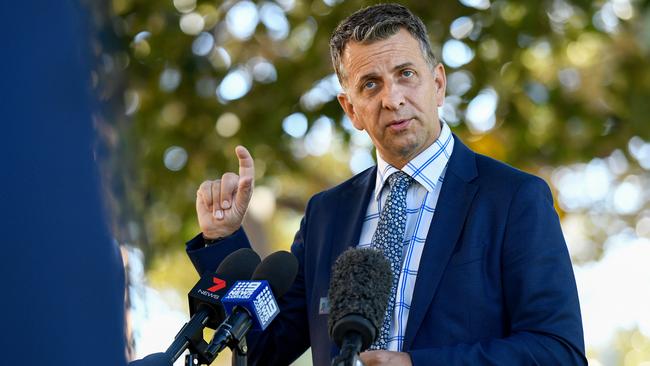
246 166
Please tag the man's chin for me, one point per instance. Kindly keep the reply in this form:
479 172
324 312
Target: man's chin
407 150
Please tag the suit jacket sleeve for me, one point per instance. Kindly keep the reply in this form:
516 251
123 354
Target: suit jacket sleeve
539 290
288 335
207 258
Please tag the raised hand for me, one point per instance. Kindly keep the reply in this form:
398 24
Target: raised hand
222 203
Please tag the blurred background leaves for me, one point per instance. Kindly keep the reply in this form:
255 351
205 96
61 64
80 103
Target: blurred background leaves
557 88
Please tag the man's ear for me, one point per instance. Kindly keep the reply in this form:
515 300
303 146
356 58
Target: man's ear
348 108
440 80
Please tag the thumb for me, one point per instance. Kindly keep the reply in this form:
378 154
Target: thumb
246 178
246 164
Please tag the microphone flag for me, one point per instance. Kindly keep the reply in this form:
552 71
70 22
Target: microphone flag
258 300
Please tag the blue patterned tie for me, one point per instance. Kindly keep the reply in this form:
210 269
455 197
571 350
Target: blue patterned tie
389 238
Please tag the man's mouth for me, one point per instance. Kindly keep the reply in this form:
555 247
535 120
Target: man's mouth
399 125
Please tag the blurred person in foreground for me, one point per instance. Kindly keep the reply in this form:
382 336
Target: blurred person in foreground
63 277
64 284
483 273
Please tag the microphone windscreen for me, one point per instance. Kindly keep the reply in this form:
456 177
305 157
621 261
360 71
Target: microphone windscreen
360 285
279 269
239 264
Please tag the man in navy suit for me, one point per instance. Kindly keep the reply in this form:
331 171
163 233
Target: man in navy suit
486 276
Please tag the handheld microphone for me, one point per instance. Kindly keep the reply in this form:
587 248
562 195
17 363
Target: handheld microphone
252 303
209 291
205 298
359 291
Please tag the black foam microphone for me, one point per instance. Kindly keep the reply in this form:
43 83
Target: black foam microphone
358 295
252 303
206 309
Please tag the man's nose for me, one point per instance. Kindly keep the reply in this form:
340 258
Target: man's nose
393 96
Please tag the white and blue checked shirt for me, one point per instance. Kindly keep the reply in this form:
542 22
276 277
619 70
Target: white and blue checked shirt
428 171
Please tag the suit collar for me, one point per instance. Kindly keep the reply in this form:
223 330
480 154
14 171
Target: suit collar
426 168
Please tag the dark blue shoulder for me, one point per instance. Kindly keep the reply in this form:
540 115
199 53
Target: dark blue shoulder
361 181
488 173
494 175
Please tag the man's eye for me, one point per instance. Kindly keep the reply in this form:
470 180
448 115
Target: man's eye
407 73
369 85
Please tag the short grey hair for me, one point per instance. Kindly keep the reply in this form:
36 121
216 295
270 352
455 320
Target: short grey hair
375 23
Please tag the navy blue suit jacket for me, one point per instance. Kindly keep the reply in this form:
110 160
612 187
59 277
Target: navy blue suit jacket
495 284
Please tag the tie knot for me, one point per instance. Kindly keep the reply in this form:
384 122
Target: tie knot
399 180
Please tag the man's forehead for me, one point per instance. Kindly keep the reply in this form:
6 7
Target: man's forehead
402 37
390 52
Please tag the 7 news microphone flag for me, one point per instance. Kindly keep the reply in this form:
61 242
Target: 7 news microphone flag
205 298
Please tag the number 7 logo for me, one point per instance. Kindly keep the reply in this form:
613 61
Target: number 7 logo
218 284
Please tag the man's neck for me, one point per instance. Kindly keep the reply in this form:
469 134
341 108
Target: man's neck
400 161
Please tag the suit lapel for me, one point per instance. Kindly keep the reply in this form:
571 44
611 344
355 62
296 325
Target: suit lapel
453 205
350 211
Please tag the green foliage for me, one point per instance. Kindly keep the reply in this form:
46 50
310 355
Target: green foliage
567 90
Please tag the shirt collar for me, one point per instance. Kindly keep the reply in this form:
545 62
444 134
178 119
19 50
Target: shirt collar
426 168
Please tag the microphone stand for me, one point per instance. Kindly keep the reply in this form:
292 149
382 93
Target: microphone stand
350 349
239 353
238 356
191 359
203 354
190 337
232 334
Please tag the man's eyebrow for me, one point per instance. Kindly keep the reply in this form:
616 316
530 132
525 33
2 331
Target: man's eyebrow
403 66
372 75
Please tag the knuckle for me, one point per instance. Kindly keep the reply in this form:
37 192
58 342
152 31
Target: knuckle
229 177
247 184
